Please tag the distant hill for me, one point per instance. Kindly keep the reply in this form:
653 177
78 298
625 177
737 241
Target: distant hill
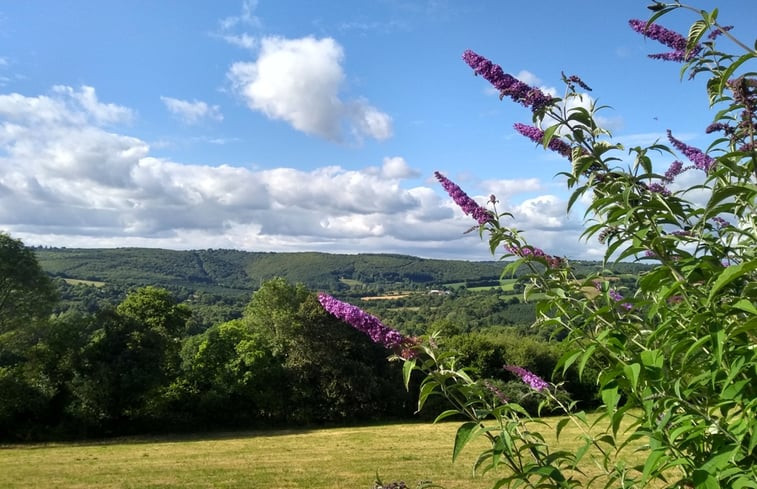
233 272
241 271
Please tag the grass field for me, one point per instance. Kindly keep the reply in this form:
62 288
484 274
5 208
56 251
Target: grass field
76 281
319 459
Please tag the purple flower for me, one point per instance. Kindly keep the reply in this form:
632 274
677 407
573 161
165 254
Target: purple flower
671 39
536 135
364 322
617 297
719 126
507 85
468 205
657 188
676 168
575 80
531 252
721 223
718 31
496 391
700 159
534 381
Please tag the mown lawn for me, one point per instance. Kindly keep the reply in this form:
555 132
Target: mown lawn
319 459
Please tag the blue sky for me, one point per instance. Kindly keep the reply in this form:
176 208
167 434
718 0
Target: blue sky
311 126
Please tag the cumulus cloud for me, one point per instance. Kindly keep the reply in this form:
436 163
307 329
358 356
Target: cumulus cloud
192 112
299 81
68 181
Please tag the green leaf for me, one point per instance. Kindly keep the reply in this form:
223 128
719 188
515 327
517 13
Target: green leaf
464 434
560 425
548 134
746 306
730 274
651 464
446 414
632 373
610 397
696 31
731 69
407 369
704 480
426 389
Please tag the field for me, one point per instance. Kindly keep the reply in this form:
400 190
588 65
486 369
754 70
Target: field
319 459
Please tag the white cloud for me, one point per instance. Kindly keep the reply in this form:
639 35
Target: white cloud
299 81
192 112
397 168
101 113
69 182
244 40
246 17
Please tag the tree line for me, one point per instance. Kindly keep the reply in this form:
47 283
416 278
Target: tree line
142 364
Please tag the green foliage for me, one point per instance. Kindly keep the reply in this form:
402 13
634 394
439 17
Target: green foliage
675 352
26 293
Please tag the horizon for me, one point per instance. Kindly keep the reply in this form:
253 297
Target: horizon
286 126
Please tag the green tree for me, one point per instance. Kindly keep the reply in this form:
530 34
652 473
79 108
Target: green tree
26 292
230 377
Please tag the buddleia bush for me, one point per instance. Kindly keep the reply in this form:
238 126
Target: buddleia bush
676 356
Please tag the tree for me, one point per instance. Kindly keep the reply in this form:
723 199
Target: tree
26 293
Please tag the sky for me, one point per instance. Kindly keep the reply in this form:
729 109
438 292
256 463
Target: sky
283 125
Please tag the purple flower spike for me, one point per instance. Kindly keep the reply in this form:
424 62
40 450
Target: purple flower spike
534 381
676 168
364 322
529 252
536 135
496 391
671 39
718 31
468 205
700 159
507 85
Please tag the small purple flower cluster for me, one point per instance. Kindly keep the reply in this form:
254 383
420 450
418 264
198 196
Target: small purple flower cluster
575 80
531 252
537 135
718 31
364 322
496 391
721 223
658 188
699 158
534 381
617 297
720 126
507 85
671 39
676 168
468 205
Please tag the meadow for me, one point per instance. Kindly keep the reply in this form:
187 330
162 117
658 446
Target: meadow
287 459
